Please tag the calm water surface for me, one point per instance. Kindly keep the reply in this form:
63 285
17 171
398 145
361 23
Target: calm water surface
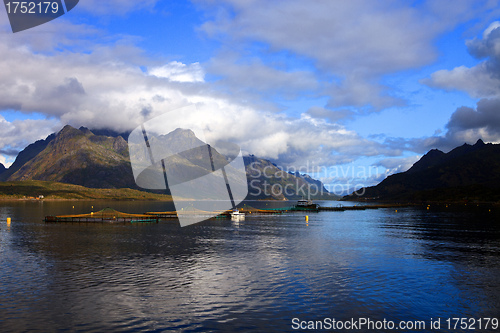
256 275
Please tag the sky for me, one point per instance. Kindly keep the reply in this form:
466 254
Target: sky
347 91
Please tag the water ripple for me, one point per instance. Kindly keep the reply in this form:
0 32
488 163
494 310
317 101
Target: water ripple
254 276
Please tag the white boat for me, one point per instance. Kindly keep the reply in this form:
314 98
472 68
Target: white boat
236 215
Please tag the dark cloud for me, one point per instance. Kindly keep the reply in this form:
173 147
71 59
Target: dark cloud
466 125
9 152
486 116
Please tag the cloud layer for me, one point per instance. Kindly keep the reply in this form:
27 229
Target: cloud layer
482 80
269 52
468 124
98 90
348 45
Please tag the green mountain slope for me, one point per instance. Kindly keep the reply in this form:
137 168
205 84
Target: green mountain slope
79 157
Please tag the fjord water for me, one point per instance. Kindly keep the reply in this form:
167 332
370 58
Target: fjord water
255 275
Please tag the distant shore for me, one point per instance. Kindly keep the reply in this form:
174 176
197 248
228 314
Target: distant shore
442 202
37 190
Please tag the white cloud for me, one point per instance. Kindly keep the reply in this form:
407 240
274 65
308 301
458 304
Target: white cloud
358 91
4 162
370 36
350 44
178 72
490 28
105 87
396 165
16 135
97 90
252 78
482 80
476 81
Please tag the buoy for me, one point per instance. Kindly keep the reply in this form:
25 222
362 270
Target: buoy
8 220
396 210
307 218
73 207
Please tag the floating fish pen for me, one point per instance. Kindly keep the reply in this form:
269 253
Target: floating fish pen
251 210
191 211
107 215
163 215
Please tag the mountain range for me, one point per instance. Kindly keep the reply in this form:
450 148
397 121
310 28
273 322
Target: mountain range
81 157
468 172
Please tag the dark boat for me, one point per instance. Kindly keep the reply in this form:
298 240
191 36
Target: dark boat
305 204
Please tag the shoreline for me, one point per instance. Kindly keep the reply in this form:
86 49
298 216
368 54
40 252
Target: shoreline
426 202
40 190
3 199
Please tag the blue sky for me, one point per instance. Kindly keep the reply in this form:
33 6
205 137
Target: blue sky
365 85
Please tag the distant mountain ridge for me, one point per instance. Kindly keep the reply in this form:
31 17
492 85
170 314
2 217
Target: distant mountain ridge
311 181
435 156
80 157
107 132
468 172
264 176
